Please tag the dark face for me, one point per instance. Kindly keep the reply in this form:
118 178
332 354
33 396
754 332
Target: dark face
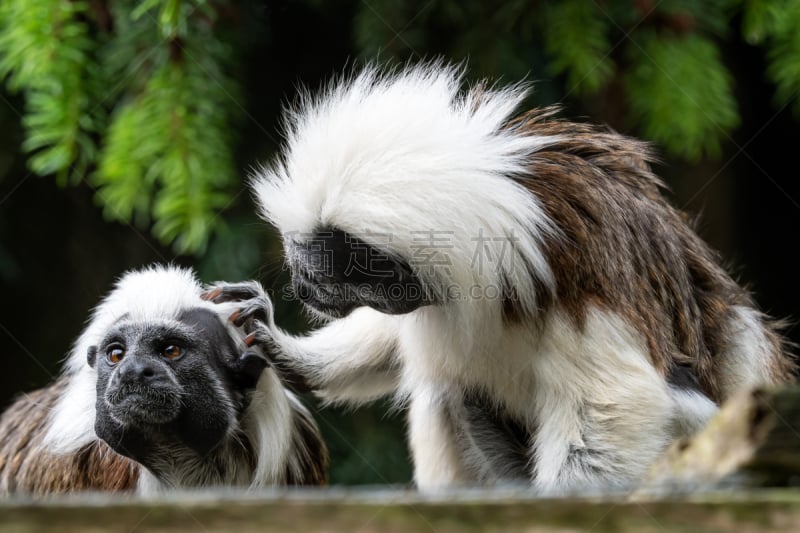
170 383
334 272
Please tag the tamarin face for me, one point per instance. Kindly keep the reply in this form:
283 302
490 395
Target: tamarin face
335 272
170 384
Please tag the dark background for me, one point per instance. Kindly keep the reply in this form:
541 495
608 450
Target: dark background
58 255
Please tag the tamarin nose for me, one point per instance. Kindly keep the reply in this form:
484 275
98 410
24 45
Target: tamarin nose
137 371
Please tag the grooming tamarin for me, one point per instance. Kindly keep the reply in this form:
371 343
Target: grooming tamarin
519 282
159 392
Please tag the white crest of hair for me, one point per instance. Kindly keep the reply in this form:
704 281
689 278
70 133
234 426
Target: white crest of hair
407 156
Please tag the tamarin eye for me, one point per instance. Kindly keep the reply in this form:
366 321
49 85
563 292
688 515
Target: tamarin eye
172 352
115 353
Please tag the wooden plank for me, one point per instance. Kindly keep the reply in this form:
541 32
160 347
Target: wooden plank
403 511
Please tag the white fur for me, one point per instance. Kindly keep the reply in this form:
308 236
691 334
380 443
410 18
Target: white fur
693 411
159 294
268 424
596 390
745 363
438 463
592 388
367 340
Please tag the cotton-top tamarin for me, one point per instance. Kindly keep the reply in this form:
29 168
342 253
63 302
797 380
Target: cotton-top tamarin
520 282
159 392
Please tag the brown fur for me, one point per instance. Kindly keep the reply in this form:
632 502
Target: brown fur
625 248
27 468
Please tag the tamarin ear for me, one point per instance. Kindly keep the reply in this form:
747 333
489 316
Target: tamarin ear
91 356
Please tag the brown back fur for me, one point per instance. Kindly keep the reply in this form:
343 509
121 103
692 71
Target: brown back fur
626 249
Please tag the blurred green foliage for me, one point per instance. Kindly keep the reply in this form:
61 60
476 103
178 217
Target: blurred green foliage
132 98
138 99
46 53
158 108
